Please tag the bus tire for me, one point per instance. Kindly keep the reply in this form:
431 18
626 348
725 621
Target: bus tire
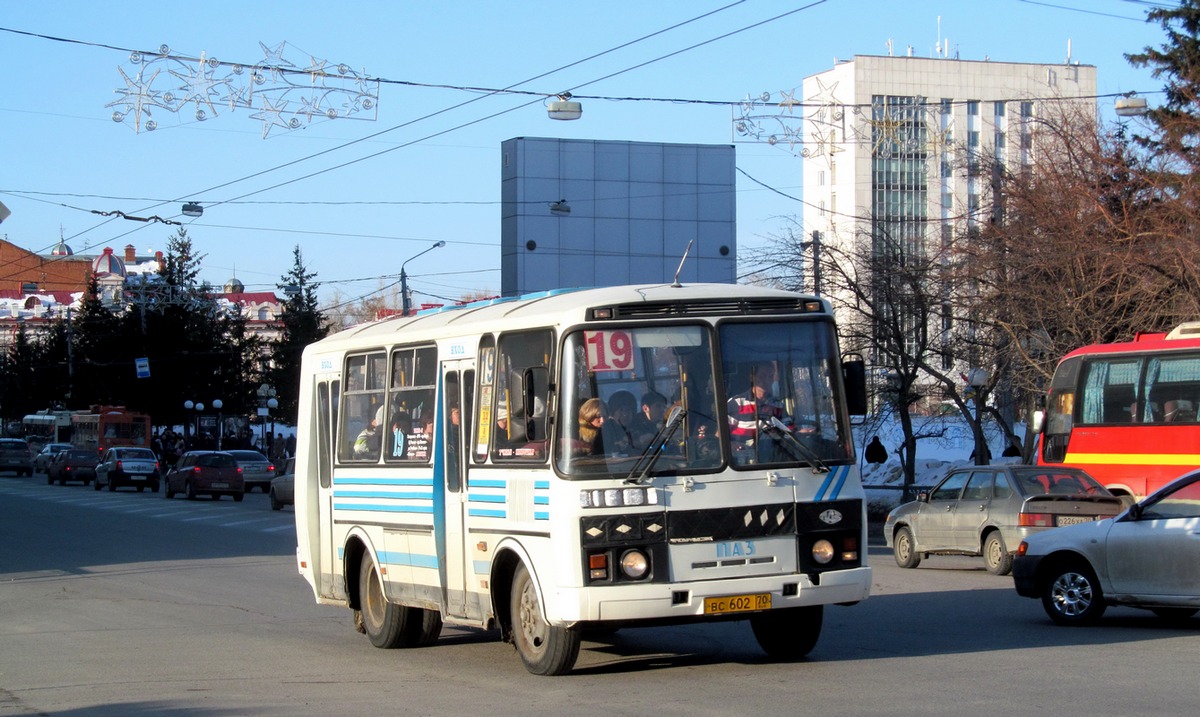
382 621
788 633
1071 594
995 554
905 549
426 627
544 648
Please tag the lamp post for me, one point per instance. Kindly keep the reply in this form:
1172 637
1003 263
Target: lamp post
404 303
220 429
266 402
199 408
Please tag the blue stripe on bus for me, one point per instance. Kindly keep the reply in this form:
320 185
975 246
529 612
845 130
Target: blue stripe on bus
486 483
482 513
824 486
381 494
375 508
481 567
541 500
837 489
410 559
541 485
480 498
541 515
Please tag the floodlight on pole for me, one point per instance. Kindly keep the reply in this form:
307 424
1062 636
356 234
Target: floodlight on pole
404 303
564 108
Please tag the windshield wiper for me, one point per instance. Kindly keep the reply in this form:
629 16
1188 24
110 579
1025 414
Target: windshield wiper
656 447
777 430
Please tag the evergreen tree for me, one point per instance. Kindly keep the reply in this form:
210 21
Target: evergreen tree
96 337
1177 63
303 323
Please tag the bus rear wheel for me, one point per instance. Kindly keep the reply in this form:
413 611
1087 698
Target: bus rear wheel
788 633
544 648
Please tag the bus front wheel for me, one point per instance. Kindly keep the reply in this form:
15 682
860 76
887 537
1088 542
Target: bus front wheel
382 621
544 648
788 633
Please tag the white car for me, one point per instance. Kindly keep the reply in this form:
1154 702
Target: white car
1146 557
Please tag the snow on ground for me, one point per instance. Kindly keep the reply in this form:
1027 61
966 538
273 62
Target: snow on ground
951 447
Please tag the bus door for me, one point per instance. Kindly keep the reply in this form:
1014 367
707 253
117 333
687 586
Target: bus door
458 381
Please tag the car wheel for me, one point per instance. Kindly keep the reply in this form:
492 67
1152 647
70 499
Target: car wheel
96 485
189 490
112 484
154 487
168 492
1174 614
544 648
995 554
275 504
1071 594
904 549
788 633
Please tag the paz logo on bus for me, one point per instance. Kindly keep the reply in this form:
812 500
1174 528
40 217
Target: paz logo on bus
831 517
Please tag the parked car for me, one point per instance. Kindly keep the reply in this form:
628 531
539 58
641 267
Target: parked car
72 464
1147 557
214 473
283 487
41 462
15 456
257 469
988 510
135 467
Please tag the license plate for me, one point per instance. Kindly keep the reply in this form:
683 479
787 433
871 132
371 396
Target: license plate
1073 519
220 485
737 603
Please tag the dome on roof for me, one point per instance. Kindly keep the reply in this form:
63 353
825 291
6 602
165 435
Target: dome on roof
234 286
62 249
108 264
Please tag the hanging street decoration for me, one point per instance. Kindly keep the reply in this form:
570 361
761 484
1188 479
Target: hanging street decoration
281 94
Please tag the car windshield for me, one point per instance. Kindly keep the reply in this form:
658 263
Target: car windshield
1053 482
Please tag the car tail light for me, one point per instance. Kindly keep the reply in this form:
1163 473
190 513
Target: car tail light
196 470
118 465
271 467
239 470
1036 520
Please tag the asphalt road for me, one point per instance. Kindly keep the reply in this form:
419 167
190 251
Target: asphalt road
129 604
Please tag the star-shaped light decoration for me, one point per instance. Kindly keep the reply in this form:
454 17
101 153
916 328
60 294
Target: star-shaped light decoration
271 115
137 97
316 68
273 60
200 86
788 100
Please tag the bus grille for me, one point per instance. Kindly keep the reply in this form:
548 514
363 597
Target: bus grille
712 307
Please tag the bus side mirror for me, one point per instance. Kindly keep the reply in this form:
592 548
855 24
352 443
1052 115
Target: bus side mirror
1037 421
854 377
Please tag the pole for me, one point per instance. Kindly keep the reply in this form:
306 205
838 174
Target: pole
403 291
816 247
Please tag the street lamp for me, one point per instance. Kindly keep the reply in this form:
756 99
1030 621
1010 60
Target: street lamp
220 429
266 403
404 303
199 408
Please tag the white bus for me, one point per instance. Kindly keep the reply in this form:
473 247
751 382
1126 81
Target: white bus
444 473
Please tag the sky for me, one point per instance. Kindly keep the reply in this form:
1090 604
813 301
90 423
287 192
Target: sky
362 193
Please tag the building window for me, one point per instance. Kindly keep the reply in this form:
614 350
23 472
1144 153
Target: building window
821 207
1026 109
973 108
973 139
821 178
1000 109
947 105
947 201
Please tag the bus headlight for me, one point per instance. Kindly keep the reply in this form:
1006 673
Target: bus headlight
635 564
822 551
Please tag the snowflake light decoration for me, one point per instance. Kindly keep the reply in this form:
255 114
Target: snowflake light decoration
284 94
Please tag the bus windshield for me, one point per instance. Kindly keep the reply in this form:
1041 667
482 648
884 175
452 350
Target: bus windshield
619 386
774 403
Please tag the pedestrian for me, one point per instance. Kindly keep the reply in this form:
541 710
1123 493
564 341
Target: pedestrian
876 452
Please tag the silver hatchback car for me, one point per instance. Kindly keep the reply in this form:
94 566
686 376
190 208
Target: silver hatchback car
989 510
1147 557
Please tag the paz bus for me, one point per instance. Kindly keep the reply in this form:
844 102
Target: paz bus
1126 412
102 427
444 473
47 426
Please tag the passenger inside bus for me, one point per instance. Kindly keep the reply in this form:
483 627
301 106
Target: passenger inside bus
646 424
589 440
618 426
1179 410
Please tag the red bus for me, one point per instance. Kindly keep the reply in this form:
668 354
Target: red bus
1126 412
103 427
